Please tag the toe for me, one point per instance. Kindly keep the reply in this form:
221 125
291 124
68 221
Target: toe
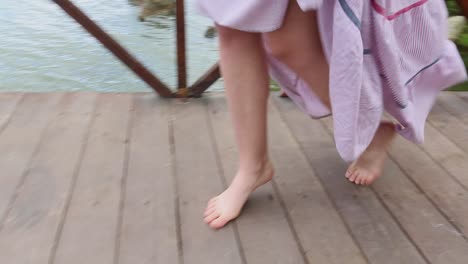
351 170
219 222
371 179
212 201
354 176
208 219
362 179
209 211
367 181
351 177
211 205
359 178
348 173
358 181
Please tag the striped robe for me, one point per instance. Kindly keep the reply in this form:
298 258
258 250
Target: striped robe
384 56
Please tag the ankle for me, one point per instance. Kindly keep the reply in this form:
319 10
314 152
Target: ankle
388 127
253 167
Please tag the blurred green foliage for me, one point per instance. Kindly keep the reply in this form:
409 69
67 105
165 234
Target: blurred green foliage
462 41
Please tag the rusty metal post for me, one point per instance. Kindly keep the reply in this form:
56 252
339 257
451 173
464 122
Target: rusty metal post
205 81
181 50
120 52
138 68
463 6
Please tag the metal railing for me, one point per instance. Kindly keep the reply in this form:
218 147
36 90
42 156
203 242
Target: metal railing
463 6
195 90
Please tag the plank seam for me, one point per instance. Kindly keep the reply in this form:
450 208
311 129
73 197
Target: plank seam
384 205
174 172
403 230
457 94
440 165
444 134
71 188
123 182
290 222
26 171
284 207
302 150
15 110
390 212
454 225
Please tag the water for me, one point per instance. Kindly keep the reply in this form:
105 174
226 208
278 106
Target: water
42 49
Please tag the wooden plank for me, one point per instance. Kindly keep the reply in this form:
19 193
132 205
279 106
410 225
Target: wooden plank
454 143
378 235
263 219
19 139
433 234
36 213
304 195
436 183
89 232
463 95
450 126
8 103
149 232
455 105
447 154
198 181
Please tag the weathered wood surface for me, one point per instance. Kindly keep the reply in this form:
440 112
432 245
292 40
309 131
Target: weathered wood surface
124 178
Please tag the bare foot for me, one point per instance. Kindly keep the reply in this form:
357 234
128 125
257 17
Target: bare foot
228 205
369 166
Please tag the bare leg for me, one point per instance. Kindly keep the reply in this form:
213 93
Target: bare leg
247 85
298 45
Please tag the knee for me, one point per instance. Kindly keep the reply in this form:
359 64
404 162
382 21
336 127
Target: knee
230 36
281 50
296 55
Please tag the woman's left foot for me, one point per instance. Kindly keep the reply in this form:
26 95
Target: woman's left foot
369 165
228 205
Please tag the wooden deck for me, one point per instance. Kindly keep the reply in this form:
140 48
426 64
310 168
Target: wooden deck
124 178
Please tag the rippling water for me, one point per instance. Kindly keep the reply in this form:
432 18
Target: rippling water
42 49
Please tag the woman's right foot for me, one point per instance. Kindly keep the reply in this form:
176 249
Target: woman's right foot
369 165
228 205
